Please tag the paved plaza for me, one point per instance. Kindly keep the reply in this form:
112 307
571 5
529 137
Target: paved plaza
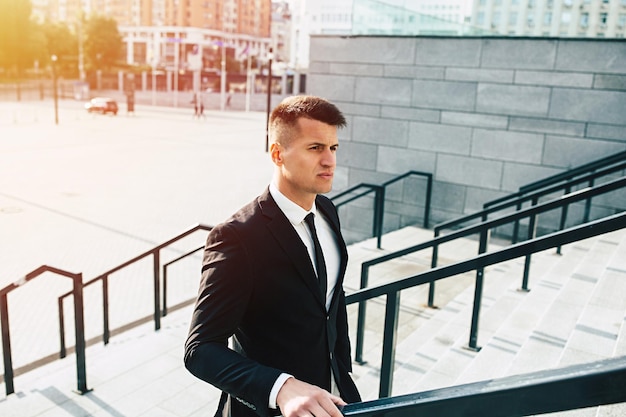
95 191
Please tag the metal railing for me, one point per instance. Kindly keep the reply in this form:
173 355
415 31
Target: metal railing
518 202
104 279
483 230
565 176
578 386
392 290
79 324
364 189
165 279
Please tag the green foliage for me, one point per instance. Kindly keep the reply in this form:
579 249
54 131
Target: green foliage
102 44
15 34
60 41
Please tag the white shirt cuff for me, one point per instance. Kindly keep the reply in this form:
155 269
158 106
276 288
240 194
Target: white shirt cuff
280 381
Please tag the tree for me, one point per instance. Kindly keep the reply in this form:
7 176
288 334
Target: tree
63 43
102 44
15 34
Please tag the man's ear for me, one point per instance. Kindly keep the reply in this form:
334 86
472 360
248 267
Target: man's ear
276 153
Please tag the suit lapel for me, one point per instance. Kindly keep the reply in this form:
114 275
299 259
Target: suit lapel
288 239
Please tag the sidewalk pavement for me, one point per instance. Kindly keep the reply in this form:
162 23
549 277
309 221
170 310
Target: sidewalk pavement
89 194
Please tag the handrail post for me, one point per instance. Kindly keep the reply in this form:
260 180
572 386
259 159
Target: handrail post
433 264
588 203
164 307
392 310
79 324
360 327
105 310
563 220
518 207
63 351
429 190
478 293
6 345
157 292
378 214
532 231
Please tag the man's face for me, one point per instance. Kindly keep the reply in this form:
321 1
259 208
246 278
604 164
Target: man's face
306 166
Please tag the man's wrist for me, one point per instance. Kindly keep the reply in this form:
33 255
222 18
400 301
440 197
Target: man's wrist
280 381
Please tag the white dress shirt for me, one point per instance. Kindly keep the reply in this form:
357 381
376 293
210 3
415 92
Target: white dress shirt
296 214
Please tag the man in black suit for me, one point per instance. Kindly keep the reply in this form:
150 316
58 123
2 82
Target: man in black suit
265 282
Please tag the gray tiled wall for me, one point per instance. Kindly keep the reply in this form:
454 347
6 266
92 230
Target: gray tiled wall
483 115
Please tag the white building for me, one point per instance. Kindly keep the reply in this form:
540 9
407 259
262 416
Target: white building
554 18
400 17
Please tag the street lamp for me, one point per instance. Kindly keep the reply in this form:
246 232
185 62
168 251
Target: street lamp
54 89
223 76
270 56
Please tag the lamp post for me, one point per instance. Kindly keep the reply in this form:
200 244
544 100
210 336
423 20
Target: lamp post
54 89
223 76
270 56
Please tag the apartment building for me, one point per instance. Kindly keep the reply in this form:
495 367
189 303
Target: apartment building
249 17
554 18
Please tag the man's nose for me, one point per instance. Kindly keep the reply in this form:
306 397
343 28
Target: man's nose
329 158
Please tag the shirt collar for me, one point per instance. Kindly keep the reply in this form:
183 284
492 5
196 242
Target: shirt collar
295 214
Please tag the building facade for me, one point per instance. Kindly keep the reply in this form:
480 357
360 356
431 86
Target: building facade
246 17
484 115
553 18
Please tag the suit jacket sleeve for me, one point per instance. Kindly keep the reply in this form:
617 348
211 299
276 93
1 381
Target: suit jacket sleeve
222 299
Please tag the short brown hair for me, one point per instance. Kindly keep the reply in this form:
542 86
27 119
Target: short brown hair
285 116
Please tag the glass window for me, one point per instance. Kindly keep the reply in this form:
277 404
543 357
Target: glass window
496 18
547 18
480 18
603 18
513 18
584 20
566 17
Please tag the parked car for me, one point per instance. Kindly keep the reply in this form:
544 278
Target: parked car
102 105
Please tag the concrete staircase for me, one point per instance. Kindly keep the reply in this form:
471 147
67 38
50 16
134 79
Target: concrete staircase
575 312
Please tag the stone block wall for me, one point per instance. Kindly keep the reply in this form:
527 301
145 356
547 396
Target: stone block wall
483 115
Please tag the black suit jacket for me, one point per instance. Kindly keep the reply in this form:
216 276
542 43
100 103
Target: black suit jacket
258 284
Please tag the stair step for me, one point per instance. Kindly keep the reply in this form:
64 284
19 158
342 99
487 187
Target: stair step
572 301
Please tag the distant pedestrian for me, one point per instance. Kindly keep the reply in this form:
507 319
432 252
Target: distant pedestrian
194 101
200 106
228 99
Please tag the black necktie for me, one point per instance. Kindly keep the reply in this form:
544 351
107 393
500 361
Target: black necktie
319 256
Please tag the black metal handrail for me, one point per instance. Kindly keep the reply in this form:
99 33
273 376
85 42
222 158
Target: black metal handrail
581 169
165 267
392 290
379 200
578 386
79 325
519 201
483 230
104 278
562 176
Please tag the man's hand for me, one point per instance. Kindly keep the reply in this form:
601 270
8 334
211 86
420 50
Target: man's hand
299 399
